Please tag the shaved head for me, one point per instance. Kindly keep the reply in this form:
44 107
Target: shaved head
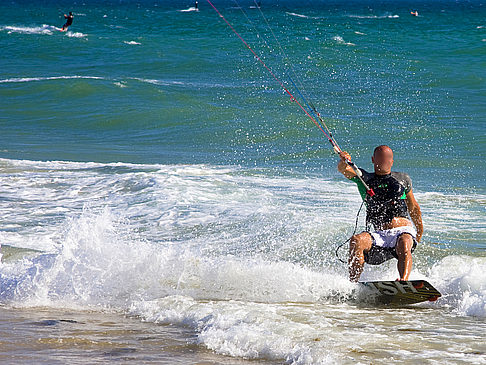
382 160
382 149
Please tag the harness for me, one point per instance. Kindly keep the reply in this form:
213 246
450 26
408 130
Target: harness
388 201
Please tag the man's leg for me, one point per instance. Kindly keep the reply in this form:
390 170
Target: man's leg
358 244
404 252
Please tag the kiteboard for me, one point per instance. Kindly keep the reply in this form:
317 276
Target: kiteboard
400 292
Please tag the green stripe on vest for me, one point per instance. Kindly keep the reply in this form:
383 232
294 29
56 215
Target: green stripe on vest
361 187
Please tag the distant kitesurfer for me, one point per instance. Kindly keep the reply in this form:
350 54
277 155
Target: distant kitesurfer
69 21
195 5
414 13
388 211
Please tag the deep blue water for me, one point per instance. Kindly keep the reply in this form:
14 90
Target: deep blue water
378 75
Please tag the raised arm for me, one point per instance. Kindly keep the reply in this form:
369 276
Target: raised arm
415 214
343 167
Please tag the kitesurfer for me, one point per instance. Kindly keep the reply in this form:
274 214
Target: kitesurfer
388 210
69 20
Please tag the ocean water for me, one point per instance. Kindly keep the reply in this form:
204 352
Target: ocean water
163 200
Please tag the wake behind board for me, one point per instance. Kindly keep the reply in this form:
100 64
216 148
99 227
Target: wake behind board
400 292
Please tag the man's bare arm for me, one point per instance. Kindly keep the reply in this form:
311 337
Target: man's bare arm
415 214
343 167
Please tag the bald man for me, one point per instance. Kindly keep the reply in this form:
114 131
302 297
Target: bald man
388 211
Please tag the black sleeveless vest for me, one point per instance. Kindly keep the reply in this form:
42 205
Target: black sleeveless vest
388 201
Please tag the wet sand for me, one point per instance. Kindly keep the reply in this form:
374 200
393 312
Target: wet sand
51 336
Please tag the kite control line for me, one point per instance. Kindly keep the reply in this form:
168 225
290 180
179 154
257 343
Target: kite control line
317 120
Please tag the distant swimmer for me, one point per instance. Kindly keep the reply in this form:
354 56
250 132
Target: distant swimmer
391 209
414 13
69 21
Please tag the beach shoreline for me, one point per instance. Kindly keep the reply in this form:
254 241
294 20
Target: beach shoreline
43 335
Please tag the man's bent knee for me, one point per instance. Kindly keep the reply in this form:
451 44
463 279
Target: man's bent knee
404 244
361 242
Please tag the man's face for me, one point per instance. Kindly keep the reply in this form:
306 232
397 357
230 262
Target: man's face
383 161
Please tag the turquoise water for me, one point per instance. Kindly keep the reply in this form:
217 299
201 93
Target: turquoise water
190 92
164 174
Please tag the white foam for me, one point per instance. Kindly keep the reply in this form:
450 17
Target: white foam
158 82
463 278
177 83
297 15
340 40
102 263
30 79
242 257
195 198
385 16
44 29
132 42
76 34
242 329
188 10
453 217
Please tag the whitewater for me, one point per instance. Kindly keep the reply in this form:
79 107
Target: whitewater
244 260
162 201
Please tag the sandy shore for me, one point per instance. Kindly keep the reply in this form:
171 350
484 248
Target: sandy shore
55 336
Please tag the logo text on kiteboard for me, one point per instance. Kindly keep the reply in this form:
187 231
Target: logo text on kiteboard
393 287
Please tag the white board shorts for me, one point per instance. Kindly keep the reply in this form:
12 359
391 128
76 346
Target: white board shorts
384 243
